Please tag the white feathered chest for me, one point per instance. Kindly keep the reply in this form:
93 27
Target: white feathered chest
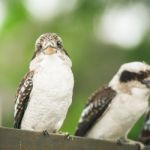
122 114
51 95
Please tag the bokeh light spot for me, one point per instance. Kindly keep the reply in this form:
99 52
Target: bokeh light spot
124 26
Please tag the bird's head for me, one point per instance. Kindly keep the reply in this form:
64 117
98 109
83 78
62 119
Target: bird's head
48 47
132 77
48 44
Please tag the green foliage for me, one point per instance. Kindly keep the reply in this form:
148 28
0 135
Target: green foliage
94 62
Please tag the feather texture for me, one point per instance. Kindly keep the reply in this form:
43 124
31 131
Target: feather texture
22 98
94 109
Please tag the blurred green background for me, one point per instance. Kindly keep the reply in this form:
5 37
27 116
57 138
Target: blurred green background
99 35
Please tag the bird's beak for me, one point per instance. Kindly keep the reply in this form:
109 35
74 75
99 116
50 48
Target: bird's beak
50 50
146 82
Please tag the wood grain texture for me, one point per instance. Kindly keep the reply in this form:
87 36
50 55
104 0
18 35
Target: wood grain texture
14 139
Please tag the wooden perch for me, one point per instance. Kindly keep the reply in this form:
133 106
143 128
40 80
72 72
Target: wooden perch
12 139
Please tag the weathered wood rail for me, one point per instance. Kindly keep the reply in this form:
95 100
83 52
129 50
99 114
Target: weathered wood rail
12 139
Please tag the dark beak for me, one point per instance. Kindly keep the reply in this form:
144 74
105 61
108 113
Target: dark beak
146 82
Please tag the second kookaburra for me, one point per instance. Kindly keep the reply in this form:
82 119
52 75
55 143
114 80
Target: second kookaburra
145 133
113 110
45 93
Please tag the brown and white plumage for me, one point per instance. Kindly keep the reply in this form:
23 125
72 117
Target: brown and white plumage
45 94
22 98
96 106
112 111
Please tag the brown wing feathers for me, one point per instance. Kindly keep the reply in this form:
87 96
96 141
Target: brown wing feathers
94 109
22 98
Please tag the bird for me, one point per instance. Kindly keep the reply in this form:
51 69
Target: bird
112 110
45 93
145 132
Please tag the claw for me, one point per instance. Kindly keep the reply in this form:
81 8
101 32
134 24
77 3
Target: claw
45 133
66 134
121 141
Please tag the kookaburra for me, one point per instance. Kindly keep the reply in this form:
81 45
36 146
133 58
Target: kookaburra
113 110
145 133
45 93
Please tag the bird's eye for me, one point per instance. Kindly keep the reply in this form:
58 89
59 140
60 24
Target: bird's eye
39 46
59 44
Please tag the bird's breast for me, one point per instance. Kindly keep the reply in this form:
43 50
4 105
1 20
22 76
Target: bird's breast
53 80
119 118
50 98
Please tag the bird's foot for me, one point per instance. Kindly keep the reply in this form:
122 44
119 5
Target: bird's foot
124 140
45 133
66 134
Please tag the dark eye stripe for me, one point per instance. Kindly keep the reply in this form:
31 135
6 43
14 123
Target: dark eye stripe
127 76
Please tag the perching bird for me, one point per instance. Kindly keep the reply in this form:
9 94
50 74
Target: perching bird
45 93
145 133
113 110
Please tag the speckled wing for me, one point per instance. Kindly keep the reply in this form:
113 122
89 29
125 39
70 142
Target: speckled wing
22 98
145 133
94 109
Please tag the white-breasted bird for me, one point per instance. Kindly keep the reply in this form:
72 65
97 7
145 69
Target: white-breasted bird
45 93
113 110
